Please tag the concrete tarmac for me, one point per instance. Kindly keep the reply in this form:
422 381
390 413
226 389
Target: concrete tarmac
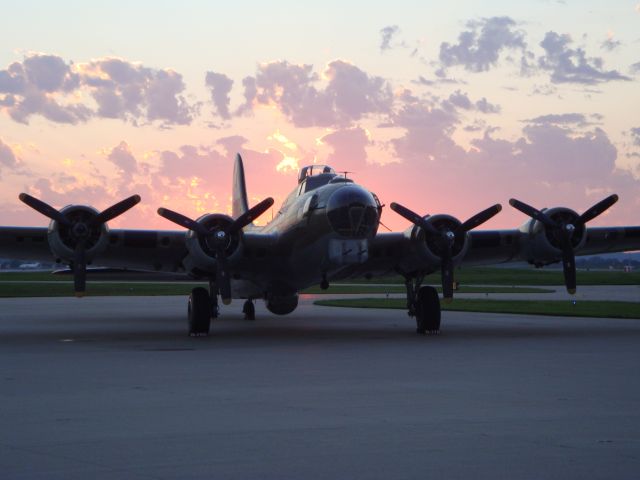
113 388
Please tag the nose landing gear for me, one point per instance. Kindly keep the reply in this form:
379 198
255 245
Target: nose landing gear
249 310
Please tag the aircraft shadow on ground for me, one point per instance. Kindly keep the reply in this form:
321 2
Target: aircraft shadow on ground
168 332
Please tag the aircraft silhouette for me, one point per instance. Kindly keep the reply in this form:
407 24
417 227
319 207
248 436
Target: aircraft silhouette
326 230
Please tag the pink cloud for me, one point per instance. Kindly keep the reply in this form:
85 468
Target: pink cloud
350 93
43 85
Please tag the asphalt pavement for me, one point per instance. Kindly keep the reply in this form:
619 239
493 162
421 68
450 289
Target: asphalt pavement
105 387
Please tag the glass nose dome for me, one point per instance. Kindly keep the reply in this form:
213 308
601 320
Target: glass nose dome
353 212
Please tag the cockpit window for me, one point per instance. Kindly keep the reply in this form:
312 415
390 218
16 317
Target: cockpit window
314 170
311 183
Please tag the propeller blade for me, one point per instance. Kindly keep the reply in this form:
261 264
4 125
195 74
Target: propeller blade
250 215
222 275
413 217
115 210
183 221
479 218
44 208
79 269
599 208
533 213
446 268
568 264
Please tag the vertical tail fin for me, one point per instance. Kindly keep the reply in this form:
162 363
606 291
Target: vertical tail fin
239 203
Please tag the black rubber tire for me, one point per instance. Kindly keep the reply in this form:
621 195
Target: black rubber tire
199 312
249 310
428 311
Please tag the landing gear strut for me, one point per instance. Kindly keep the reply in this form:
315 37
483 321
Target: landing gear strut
324 284
423 303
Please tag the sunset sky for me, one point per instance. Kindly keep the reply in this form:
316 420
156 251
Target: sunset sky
445 107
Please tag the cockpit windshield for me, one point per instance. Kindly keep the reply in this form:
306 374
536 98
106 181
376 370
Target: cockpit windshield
313 170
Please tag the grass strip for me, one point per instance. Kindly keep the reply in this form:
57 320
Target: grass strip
466 276
527 307
347 289
65 289
521 276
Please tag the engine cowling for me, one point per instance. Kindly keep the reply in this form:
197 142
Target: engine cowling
202 250
64 238
544 244
431 246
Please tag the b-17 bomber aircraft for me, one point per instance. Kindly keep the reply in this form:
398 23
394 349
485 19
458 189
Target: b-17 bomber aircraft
326 230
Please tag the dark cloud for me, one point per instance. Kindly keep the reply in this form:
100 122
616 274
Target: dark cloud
49 73
7 156
558 154
348 145
220 86
635 134
354 93
177 168
386 35
441 79
546 90
349 95
250 93
427 131
232 144
461 100
610 44
571 65
635 68
38 103
30 88
479 48
549 163
130 91
48 86
124 160
484 106
476 126
560 119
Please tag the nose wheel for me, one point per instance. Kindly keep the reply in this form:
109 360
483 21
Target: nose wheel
249 310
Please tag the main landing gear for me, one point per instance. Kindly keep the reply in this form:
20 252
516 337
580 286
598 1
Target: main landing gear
199 313
423 303
203 307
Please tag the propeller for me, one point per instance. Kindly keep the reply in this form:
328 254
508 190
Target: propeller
444 238
80 231
563 232
220 239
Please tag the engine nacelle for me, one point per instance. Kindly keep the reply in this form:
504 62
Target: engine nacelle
63 239
430 247
542 245
282 304
202 251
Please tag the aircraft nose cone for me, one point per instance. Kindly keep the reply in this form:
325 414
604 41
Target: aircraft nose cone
353 212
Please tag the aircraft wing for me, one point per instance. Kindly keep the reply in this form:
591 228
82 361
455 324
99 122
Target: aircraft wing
149 250
393 253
